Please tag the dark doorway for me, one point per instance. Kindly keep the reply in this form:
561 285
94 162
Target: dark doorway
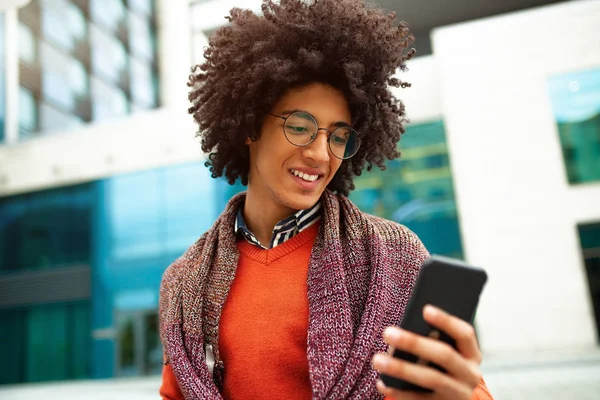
589 236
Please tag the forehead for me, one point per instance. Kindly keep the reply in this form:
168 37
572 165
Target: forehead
324 102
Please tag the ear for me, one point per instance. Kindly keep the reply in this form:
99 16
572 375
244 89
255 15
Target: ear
251 138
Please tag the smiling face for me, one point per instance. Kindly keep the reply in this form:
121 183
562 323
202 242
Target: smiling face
291 178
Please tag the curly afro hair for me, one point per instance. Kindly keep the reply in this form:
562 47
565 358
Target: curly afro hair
250 63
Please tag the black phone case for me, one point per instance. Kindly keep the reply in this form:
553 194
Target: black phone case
448 284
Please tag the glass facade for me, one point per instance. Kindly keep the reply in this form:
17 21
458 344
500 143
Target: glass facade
119 235
45 230
166 220
416 190
45 247
45 342
83 61
144 221
575 100
589 237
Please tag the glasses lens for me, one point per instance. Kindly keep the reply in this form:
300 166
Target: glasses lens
299 128
344 142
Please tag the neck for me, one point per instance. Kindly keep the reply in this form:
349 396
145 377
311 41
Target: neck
261 216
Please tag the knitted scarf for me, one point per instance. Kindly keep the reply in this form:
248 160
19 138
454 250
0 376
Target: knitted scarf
360 276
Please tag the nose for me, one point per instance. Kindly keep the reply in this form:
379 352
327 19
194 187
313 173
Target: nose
318 150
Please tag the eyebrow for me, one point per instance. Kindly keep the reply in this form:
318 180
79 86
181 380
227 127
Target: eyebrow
336 124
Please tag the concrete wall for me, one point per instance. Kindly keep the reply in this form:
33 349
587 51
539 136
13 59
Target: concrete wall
518 213
423 101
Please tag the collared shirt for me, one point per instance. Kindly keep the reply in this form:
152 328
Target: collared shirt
285 229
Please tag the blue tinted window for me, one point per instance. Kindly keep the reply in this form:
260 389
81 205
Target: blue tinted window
64 80
108 13
135 203
108 101
27 45
53 26
54 76
190 205
143 86
55 120
63 23
576 103
141 6
45 229
159 212
416 190
28 113
141 38
109 58
46 342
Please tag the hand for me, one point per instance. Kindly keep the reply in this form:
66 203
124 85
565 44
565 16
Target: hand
462 366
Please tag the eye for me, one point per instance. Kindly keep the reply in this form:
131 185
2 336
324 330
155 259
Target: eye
299 123
339 140
296 129
340 137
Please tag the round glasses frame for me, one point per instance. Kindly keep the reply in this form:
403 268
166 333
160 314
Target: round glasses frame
313 135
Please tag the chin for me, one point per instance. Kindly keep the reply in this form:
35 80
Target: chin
301 201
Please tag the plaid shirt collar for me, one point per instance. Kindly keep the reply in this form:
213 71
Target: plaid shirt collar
284 229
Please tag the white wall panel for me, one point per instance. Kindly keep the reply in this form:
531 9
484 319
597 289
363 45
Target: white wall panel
517 212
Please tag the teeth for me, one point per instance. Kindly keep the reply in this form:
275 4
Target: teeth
306 177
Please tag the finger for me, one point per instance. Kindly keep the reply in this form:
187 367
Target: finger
392 393
435 351
421 375
461 331
461 393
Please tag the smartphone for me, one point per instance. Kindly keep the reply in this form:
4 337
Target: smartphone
448 284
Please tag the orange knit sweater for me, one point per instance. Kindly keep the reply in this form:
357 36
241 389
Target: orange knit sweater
264 324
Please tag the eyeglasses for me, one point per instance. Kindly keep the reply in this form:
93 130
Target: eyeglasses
301 129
